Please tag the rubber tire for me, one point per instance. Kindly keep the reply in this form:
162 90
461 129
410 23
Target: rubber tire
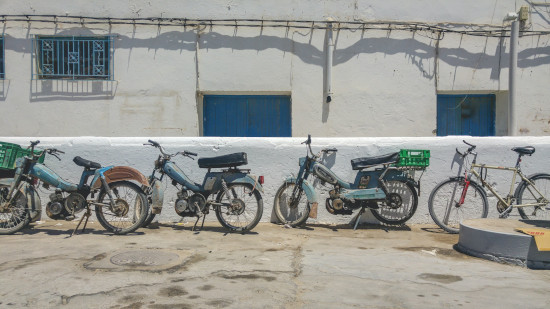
257 217
23 223
519 199
473 185
276 206
149 219
137 224
409 215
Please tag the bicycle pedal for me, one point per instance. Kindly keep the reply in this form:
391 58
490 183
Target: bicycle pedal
504 215
69 218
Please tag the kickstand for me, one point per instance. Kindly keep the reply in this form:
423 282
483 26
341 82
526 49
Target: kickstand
198 217
358 217
86 215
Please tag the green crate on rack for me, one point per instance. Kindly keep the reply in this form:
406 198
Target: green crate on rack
413 157
10 152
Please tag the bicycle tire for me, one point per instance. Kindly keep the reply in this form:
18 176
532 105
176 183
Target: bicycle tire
542 183
447 193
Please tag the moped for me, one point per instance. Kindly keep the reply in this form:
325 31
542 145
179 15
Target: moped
121 205
390 192
232 193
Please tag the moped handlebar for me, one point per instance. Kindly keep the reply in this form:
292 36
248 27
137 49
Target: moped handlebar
308 140
327 150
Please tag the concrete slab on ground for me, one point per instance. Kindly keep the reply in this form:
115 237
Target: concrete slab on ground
169 266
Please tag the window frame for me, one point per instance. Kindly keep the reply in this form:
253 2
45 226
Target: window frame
60 57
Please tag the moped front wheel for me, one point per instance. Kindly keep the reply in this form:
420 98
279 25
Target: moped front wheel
290 210
129 211
15 216
400 204
242 209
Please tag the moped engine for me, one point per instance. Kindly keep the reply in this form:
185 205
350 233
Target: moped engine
60 207
55 208
192 206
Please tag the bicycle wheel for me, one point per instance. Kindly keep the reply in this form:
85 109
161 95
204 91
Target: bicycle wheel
400 204
129 212
15 216
245 209
444 207
149 219
528 195
294 214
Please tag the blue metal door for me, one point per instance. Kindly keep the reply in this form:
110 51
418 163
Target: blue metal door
466 115
247 115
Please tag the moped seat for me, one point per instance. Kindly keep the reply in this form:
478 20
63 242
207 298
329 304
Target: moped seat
230 160
361 163
86 163
528 150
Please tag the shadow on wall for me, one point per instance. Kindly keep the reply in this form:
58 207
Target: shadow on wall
418 52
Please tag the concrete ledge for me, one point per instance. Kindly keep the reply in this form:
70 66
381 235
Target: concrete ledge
496 240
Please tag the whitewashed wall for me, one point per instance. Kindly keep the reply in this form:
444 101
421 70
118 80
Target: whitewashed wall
277 158
384 82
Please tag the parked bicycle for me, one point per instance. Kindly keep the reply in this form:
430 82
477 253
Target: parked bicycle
121 205
232 193
390 192
460 198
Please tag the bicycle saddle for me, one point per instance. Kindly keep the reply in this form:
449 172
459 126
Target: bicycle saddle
527 150
361 163
85 163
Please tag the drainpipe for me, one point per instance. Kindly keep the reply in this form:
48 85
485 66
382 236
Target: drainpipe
330 51
514 35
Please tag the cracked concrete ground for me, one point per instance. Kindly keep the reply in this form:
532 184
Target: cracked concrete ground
273 267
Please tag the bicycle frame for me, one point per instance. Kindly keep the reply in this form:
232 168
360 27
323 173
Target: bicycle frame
517 171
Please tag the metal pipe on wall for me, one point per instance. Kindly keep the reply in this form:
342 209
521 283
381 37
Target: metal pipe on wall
514 35
328 76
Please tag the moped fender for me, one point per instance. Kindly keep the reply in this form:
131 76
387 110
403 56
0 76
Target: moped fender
157 196
120 173
244 178
311 194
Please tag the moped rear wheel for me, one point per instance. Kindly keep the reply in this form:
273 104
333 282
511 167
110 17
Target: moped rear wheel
129 212
245 207
400 204
293 213
16 216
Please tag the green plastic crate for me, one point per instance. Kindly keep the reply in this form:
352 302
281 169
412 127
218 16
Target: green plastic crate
10 152
413 157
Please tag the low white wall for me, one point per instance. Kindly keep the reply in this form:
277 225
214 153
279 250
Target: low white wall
276 158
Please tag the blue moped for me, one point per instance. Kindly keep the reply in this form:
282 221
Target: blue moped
121 205
232 193
390 192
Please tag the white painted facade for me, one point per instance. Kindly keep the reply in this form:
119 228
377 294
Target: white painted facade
384 83
277 158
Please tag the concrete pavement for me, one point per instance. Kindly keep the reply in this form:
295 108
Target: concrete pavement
169 266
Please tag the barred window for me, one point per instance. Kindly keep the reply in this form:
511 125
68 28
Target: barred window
73 57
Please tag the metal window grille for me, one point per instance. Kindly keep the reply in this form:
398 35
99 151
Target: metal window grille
73 57
2 74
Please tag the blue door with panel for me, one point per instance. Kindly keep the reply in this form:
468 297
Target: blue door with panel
466 114
247 115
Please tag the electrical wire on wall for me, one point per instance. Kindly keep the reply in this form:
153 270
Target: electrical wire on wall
484 30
